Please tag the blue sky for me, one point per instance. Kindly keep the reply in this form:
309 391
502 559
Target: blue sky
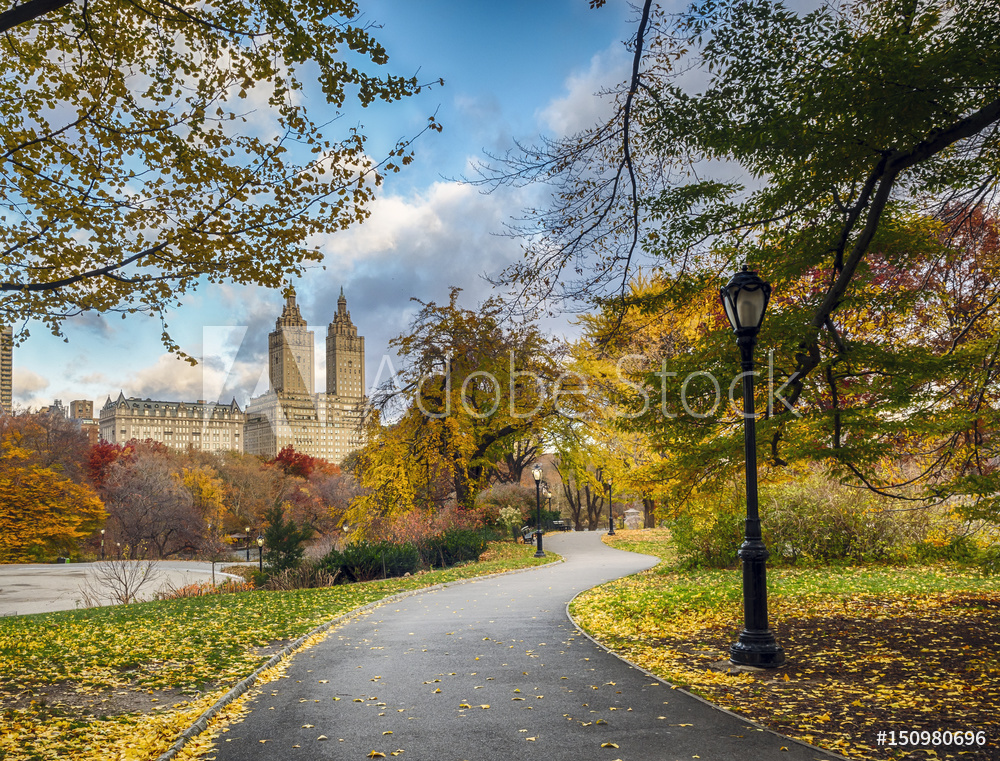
512 70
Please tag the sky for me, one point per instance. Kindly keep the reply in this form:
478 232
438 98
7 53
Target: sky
512 70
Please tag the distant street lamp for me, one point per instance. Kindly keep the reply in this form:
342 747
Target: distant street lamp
119 544
606 485
102 544
246 531
260 552
536 473
745 299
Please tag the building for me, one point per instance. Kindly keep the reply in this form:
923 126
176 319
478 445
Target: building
292 413
198 425
6 370
81 409
81 412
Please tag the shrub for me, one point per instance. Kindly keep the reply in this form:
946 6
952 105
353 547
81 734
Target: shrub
457 545
229 586
709 537
818 518
364 561
303 577
491 503
812 519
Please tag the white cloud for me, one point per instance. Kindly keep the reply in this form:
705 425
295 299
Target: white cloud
581 107
28 386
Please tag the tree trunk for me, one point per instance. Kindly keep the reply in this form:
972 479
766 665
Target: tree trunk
649 512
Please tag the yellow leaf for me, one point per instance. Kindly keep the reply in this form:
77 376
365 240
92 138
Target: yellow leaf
376 754
608 745
387 732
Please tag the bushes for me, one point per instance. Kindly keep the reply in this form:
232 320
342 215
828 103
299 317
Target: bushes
813 519
710 539
306 576
453 546
366 560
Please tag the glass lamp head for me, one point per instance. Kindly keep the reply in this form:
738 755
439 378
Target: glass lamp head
745 299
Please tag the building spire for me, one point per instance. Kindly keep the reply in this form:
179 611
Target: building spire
290 315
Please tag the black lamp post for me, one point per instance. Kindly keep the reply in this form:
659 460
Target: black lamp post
606 486
260 551
536 473
102 544
745 299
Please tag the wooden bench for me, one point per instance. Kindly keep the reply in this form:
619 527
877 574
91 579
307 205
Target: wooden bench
528 534
560 526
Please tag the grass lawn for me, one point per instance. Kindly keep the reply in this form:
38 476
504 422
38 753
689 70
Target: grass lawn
869 649
122 682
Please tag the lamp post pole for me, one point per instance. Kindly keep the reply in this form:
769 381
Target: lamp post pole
246 531
102 544
536 473
745 299
611 509
260 552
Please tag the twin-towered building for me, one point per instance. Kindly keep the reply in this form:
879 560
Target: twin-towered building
291 413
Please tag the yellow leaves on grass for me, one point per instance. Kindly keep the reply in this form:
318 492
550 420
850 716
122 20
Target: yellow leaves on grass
862 642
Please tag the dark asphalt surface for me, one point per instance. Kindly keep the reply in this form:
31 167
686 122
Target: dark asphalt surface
489 671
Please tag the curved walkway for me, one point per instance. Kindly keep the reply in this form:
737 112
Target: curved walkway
489 671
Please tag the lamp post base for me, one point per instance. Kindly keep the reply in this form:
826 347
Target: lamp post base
538 552
758 649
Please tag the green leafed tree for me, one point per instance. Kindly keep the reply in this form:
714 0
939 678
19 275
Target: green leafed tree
851 155
283 540
151 146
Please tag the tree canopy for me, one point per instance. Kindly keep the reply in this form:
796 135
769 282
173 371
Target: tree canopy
148 147
850 154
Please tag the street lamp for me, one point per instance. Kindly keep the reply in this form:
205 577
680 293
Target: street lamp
246 531
606 486
102 544
260 551
536 473
745 299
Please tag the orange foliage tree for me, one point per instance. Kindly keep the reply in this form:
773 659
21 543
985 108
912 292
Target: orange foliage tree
42 514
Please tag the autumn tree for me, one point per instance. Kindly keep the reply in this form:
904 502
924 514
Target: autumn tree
252 487
149 508
42 513
54 441
474 390
841 152
150 147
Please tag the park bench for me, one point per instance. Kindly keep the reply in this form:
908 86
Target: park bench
560 526
528 534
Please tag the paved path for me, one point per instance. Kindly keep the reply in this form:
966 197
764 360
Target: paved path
489 671
43 588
